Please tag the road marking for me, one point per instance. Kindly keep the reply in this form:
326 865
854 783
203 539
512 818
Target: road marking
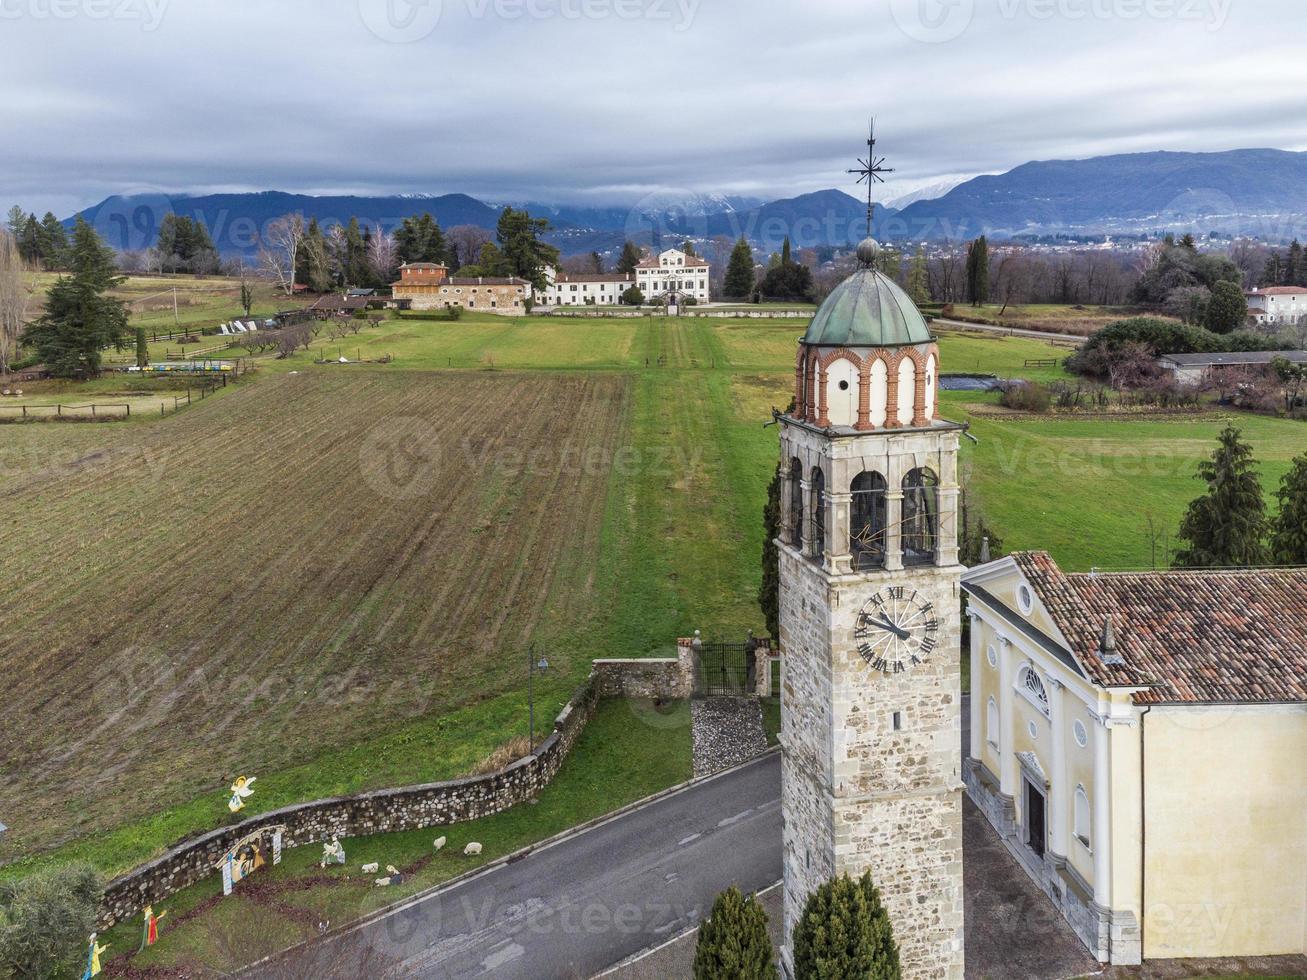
512 951
687 840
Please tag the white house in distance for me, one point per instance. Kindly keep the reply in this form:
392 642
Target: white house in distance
671 272
1138 741
1277 304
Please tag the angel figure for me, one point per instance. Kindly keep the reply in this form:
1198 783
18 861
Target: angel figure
241 790
93 958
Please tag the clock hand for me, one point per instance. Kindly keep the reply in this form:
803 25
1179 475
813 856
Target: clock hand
887 625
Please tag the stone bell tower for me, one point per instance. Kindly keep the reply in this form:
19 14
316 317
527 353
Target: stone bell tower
869 621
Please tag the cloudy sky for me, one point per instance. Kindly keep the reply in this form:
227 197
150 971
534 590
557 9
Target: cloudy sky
612 100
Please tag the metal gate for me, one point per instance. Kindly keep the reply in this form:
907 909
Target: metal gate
725 669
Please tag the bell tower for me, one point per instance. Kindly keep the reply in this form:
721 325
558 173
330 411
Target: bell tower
870 621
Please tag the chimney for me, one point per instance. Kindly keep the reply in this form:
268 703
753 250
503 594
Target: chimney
1107 646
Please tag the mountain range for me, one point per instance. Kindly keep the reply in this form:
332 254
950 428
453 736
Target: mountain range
1261 192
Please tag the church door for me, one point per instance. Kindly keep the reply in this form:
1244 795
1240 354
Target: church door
1035 830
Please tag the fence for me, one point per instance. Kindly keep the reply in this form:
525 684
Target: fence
89 413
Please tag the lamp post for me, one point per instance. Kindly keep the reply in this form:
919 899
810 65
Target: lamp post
531 667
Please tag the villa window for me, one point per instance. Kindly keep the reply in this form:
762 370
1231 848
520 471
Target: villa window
991 723
1080 818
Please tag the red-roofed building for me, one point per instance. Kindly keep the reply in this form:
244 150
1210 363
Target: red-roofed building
1139 740
1277 304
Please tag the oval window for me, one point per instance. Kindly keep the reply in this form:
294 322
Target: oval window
844 386
1082 736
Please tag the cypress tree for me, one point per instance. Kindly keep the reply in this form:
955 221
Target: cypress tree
1225 527
142 349
787 256
845 933
733 941
1289 531
740 278
978 271
919 278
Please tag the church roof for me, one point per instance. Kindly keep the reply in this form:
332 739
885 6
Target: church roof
1217 636
867 310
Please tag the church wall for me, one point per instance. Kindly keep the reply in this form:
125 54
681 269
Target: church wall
1226 831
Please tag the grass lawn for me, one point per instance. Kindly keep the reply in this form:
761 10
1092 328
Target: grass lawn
630 750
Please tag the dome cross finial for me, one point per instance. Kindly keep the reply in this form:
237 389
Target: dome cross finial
870 170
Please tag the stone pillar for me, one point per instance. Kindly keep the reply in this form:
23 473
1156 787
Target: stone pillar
946 548
837 532
1007 756
800 396
894 528
978 711
685 665
1102 841
1059 793
787 496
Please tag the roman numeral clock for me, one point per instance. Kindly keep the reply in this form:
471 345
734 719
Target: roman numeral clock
869 618
896 631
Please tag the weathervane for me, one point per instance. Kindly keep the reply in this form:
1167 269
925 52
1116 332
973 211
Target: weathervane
870 170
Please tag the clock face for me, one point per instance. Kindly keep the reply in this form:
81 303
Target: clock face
896 630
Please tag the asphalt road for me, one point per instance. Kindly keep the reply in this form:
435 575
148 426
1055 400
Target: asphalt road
1009 331
576 907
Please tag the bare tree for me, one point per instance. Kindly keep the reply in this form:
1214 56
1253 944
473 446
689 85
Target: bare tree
282 241
468 240
15 297
946 273
383 255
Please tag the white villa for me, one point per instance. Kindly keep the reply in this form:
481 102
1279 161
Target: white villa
671 274
1277 304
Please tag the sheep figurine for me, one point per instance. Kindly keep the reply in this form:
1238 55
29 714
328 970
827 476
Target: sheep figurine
472 850
371 869
440 842
395 877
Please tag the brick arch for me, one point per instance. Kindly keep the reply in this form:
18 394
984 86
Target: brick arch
838 354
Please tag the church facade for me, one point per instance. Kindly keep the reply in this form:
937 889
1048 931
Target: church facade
1139 742
869 621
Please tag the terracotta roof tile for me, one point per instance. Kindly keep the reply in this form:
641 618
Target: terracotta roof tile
1191 637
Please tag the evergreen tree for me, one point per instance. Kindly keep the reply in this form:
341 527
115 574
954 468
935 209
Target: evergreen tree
1225 527
769 595
1289 530
919 277
1273 271
633 296
733 941
630 259
142 349
740 277
184 245
54 242
1295 270
527 256
596 263
787 256
421 240
79 319
357 270
29 242
978 271
1188 242
313 263
16 220
1227 310
788 281
688 248
845 933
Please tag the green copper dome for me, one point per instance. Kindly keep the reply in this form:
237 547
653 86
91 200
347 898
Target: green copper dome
867 309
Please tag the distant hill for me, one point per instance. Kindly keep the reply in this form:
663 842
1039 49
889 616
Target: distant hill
1258 192
1261 192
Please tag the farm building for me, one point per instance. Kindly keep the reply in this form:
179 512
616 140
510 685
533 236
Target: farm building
1192 369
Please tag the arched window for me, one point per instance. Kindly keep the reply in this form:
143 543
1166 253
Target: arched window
796 503
1031 685
920 517
1080 818
867 521
818 512
991 723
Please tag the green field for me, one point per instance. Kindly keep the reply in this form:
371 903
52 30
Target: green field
245 536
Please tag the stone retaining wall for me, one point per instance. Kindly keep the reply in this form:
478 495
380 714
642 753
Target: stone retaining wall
409 808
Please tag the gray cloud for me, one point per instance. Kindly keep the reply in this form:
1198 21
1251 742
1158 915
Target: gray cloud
613 99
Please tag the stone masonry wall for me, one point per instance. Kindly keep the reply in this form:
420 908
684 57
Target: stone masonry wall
409 808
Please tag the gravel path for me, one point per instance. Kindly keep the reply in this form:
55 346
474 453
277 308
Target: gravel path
726 731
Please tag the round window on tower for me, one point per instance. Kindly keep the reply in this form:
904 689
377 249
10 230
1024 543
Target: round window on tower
844 386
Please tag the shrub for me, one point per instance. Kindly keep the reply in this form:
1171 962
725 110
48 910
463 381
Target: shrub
1025 397
633 296
845 932
453 312
504 756
733 941
1156 337
46 921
